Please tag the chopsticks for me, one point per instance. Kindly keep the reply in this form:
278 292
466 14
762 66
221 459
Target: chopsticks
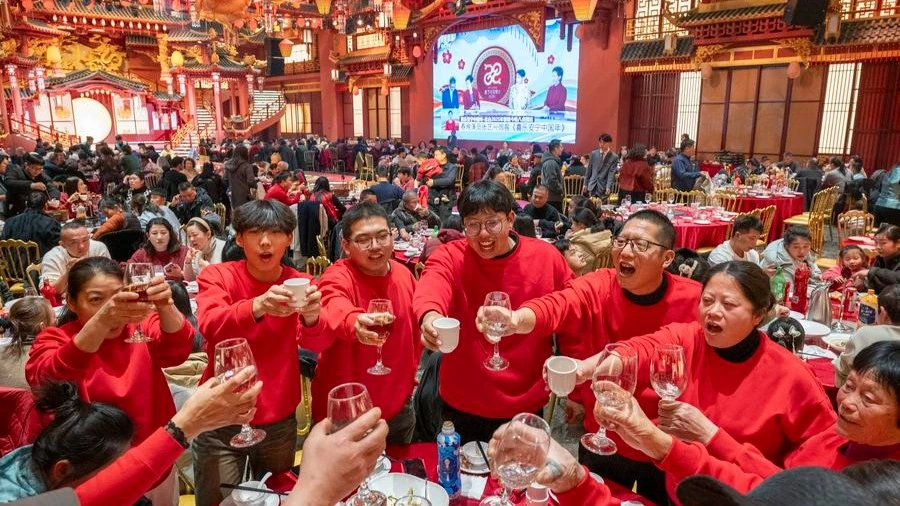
483 454
249 489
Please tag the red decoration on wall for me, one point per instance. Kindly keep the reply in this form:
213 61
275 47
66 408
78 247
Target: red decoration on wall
461 64
550 60
447 57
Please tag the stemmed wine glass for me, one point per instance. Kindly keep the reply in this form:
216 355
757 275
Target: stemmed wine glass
233 355
648 198
521 454
382 312
137 280
671 198
496 315
346 403
617 365
668 374
839 325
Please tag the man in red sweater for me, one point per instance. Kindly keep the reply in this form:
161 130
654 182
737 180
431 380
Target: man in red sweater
457 277
634 298
281 190
246 299
349 347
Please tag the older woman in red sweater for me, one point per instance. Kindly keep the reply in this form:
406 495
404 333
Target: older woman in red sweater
636 175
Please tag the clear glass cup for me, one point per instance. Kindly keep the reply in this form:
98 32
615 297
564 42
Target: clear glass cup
618 365
346 403
668 374
497 316
137 279
521 454
232 356
382 312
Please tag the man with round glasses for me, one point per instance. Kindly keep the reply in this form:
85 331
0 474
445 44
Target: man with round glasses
456 280
349 344
636 297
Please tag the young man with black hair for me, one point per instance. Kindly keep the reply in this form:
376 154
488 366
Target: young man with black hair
742 245
247 298
551 174
601 169
387 193
191 202
455 282
350 345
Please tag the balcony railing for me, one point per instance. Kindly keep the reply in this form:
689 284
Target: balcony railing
301 67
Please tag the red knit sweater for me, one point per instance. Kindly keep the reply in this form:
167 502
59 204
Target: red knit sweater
346 291
455 283
276 192
225 310
127 376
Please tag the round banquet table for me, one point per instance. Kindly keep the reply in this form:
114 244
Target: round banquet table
692 235
785 207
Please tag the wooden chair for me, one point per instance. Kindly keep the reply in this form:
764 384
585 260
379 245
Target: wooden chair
794 184
367 173
728 201
309 160
418 270
819 203
614 191
16 257
767 216
816 226
315 266
33 276
321 246
854 223
221 211
572 186
151 181
508 179
459 179
370 161
662 194
663 178
303 412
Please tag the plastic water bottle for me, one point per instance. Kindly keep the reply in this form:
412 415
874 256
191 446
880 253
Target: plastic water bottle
448 460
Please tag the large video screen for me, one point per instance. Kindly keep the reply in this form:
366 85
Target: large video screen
494 85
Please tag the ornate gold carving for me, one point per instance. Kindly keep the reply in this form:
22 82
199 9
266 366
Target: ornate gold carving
195 53
533 23
102 55
801 46
835 7
163 57
8 48
705 54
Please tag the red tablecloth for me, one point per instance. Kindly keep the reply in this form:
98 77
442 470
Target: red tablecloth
710 168
785 207
823 368
693 236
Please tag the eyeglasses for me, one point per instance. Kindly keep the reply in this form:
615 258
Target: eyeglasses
365 243
492 227
639 245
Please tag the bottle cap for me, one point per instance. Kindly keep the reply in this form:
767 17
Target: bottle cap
448 428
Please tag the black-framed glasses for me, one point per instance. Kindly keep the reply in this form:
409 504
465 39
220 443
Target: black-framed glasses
472 229
639 245
365 243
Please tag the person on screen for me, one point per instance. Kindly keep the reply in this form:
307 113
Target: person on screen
470 94
519 94
449 96
556 93
450 125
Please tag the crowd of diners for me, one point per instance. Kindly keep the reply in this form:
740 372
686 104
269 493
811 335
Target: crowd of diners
117 431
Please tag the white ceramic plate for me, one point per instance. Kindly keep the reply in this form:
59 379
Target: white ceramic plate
837 341
398 485
472 461
702 222
814 329
412 253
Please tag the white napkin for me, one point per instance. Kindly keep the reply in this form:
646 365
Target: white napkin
473 486
816 351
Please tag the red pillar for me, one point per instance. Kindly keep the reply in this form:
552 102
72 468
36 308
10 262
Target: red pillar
332 115
217 103
421 101
243 99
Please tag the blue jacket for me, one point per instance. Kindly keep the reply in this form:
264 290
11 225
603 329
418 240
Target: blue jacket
17 477
684 175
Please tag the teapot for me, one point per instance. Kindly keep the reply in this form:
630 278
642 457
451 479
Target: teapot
819 309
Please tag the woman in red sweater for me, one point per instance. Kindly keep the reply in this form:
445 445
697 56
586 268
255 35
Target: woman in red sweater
743 390
348 347
89 348
636 175
162 248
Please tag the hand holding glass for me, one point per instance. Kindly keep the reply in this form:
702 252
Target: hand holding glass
521 454
382 312
137 279
617 365
668 374
232 356
497 315
346 403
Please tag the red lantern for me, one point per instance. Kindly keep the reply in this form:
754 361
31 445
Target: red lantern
579 31
417 52
584 9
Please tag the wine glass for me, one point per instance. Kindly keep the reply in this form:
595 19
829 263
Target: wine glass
346 403
648 198
496 315
628 200
382 312
839 325
137 280
618 365
521 454
671 198
233 355
667 371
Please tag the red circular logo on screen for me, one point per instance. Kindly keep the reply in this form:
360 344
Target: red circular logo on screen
493 72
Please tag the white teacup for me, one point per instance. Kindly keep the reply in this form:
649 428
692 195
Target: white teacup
248 498
561 375
448 333
298 287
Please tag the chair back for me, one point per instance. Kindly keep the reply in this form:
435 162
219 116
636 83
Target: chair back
817 231
33 276
614 191
767 216
315 266
221 211
309 160
321 246
123 243
794 184
370 161
459 179
151 181
663 178
572 186
508 179
728 200
16 256
854 223
662 194
367 173
418 270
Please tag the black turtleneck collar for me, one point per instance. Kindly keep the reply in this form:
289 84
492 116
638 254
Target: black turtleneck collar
742 351
652 297
515 240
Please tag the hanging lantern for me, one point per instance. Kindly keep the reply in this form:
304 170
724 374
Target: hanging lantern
177 59
417 52
706 70
384 90
324 6
53 55
670 44
794 70
401 16
285 47
387 68
579 31
584 9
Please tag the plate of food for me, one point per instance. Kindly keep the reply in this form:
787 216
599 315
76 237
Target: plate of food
470 459
397 485
837 342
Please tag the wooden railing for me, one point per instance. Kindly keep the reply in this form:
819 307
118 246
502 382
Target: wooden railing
183 131
36 130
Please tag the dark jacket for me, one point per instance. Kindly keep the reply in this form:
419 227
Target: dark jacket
18 188
404 219
186 211
601 172
883 273
684 174
443 185
548 217
169 182
33 225
287 155
551 176
213 184
240 179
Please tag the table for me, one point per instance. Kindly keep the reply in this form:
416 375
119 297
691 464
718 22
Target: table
692 235
786 206
710 168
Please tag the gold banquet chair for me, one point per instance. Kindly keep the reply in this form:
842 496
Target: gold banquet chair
315 266
16 257
572 186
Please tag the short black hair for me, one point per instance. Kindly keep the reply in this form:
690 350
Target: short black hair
889 299
485 196
73 225
890 232
796 232
881 361
159 192
184 186
470 79
363 195
405 171
555 143
605 138
110 203
666 231
281 177
362 211
269 215
452 80
382 170
524 225
747 223
586 217
685 144
37 200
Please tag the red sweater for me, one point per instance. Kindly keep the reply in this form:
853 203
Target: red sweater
455 283
747 470
127 376
576 311
162 259
556 97
789 405
346 291
225 310
588 492
276 192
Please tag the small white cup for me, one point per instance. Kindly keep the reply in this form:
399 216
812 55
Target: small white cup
248 498
298 287
448 333
561 375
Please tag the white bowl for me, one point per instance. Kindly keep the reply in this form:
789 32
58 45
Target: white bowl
470 450
814 329
397 485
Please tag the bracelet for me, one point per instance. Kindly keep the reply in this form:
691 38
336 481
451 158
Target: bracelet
177 435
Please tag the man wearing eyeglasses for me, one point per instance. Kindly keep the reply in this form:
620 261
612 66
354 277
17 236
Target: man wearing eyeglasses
636 297
349 344
457 277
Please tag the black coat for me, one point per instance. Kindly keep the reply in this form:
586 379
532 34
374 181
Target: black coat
18 188
33 225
